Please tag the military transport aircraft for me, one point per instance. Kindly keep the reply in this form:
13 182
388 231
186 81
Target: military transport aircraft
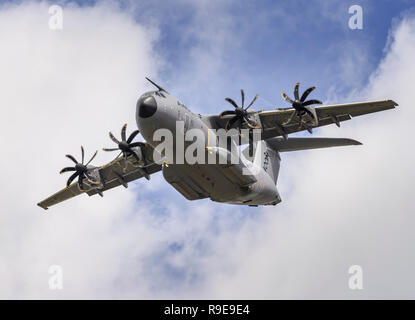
251 181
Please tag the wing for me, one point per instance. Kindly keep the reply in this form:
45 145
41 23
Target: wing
272 121
108 176
61 195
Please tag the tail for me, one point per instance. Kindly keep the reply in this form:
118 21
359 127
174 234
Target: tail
265 157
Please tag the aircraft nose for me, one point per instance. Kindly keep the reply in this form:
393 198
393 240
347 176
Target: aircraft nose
147 107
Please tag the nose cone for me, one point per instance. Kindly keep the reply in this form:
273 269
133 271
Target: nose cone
146 107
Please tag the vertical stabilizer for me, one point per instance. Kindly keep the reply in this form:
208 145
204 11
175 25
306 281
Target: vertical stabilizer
266 158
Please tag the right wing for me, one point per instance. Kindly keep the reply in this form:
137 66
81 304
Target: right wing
273 121
108 176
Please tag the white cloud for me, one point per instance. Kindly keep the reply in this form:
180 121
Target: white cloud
343 207
61 89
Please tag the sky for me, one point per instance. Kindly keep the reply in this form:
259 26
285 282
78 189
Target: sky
340 207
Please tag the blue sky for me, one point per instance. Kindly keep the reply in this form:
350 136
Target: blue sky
264 46
270 45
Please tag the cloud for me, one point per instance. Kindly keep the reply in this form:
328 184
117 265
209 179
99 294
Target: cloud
343 207
61 89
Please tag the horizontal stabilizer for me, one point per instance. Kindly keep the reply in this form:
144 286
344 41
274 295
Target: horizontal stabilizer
296 144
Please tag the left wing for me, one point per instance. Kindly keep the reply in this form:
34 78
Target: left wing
107 177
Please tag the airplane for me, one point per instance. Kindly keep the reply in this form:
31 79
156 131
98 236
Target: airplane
251 180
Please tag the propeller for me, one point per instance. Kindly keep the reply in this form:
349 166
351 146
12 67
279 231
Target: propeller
126 145
81 169
240 114
299 104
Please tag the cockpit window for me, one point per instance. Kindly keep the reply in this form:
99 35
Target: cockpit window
146 107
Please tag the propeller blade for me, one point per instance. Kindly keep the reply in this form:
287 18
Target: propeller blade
90 179
243 97
300 119
92 158
83 154
232 102
296 91
286 98
132 136
125 161
137 144
249 123
72 158
309 112
67 169
306 93
134 155
113 138
290 118
124 128
231 122
110 149
71 178
309 102
80 182
225 113
252 102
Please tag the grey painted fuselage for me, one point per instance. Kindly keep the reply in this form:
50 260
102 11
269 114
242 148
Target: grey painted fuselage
228 183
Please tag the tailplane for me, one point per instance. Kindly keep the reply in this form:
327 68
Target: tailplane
266 152
296 144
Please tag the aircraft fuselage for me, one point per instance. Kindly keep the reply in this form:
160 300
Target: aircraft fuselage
249 182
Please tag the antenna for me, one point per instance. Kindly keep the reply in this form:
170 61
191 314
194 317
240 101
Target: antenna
155 84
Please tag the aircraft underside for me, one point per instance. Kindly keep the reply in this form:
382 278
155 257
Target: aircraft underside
220 183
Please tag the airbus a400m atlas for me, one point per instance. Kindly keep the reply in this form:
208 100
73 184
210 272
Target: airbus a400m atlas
251 180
